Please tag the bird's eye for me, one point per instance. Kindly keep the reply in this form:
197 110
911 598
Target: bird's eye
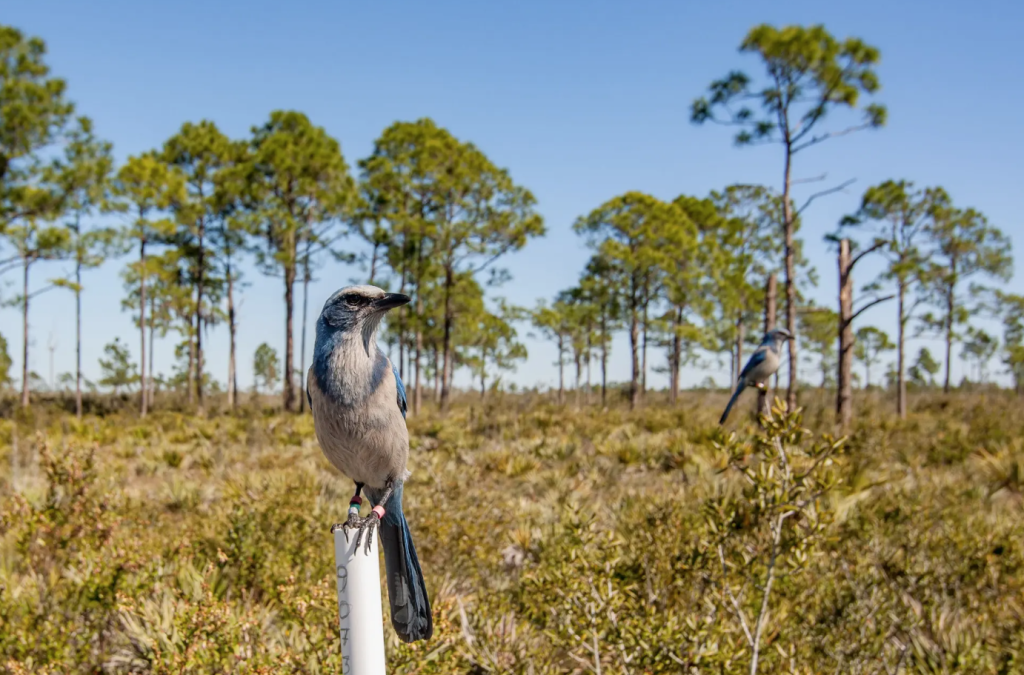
356 300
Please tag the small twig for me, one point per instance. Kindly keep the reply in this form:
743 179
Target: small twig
732 598
816 179
467 634
824 137
838 188
41 291
9 267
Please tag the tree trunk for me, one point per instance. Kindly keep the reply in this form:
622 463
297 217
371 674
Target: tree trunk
232 368
417 286
770 293
449 281
289 340
740 334
451 371
373 264
788 217
483 373
305 314
604 361
844 388
950 306
150 394
143 399
634 339
590 361
901 367
579 375
191 362
200 280
401 332
78 338
401 349
437 376
643 361
417 395
676 357
24 336
561 369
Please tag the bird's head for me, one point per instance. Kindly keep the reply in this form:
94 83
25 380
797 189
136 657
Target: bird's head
777 335
357 310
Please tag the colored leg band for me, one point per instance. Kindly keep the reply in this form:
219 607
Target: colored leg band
379 510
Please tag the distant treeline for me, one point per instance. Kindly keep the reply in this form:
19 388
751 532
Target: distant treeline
695 276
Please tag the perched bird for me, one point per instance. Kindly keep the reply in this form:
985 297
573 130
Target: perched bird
358 403
762 364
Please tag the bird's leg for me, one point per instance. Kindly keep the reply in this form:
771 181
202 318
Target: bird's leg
371 521
353 513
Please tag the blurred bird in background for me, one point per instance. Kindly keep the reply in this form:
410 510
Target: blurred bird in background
359 404
762 364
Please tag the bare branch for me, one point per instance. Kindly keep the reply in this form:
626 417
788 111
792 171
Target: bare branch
838 188
729 122
820 101
815 179
776 540
833 134
8 268
870 305
732 598
877 245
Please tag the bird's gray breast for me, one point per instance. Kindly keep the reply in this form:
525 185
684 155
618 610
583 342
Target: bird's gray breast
347 378
357 421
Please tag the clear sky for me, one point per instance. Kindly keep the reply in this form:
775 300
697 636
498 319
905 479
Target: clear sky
581 101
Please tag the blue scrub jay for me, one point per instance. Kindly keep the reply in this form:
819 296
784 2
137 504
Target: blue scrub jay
358 404
762 364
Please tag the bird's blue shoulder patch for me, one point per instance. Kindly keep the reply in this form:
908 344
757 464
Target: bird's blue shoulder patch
403 404
755 358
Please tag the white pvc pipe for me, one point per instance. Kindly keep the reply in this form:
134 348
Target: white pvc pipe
359 605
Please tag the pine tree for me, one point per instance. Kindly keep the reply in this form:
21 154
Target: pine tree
810 75
296 179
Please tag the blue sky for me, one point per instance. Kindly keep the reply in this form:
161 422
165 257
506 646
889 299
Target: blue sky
581 101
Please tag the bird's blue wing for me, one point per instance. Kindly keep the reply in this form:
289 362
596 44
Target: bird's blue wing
403 404
755 360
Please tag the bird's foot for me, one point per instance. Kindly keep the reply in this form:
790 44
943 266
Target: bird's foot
367 526
353 521
362 526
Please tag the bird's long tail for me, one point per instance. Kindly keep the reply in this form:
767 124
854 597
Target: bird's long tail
407 594
735 395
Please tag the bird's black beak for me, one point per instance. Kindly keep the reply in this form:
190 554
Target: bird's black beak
390 301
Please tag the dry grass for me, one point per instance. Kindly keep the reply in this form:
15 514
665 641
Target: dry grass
554 539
